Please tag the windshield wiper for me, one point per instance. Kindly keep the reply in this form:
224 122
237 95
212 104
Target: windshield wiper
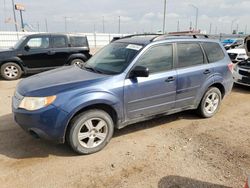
93 69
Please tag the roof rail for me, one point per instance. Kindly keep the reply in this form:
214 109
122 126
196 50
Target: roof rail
134 35
193 35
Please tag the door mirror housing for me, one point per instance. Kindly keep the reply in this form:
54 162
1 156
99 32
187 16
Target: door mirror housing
27 48
139 71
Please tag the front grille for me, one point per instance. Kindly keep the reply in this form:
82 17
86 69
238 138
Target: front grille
17 98
244 73
232 56
246 80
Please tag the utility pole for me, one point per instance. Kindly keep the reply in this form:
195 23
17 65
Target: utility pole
103 27
38 27
196 16
22 24
246 29
178 26
232 25
46 25
190 26
210 28
237 28
119 24
14 14
65 24
164 17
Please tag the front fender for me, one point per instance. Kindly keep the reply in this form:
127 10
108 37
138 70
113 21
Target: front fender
14 59
79 102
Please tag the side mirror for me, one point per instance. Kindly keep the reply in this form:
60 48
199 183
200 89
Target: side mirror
139 71
27 48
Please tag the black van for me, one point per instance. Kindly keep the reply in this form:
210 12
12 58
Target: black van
40 52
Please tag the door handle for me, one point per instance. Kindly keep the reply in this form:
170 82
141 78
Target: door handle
207 71
170 79
51 52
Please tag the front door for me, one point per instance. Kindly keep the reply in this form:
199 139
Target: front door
36 52
156 93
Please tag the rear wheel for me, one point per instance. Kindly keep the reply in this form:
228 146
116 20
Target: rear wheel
78 62
11 71
90 131
210 102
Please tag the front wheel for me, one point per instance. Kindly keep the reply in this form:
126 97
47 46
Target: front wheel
90 131
11 71
210 103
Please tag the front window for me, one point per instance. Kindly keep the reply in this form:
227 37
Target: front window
38 42
114 58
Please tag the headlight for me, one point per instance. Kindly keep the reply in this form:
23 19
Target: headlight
35 103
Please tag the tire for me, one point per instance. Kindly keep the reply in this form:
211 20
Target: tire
93 138
210 103
77 62
11 71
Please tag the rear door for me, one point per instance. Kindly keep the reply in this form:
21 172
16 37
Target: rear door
156 93
192 70
60 51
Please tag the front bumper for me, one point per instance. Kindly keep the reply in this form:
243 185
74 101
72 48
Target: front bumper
241 79
48 123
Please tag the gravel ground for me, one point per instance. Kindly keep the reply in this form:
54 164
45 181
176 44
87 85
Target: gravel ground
181 150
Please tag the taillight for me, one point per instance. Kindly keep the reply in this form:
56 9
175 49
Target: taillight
230 66
246 185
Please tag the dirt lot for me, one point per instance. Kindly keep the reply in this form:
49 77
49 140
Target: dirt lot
180 149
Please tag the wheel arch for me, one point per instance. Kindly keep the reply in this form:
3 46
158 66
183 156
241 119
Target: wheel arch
77 56
100 106
14 60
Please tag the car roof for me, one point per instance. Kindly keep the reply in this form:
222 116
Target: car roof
147 39
54 34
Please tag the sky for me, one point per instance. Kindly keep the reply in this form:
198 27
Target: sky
136 16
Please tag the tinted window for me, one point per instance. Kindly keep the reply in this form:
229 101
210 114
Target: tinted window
189 54
78 41
157 59
38 42
213 51
59 42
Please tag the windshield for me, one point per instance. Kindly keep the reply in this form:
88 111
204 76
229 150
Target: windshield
16 46
114 58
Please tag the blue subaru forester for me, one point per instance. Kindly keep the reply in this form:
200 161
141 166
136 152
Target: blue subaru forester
132 79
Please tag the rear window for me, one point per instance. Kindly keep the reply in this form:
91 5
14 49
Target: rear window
78 41
189 54
59 42
213 51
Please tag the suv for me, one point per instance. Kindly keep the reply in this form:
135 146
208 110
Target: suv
40 52
132 79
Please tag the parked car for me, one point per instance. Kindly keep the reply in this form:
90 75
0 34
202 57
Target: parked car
40 52
130 80
232 43
241 70
237 54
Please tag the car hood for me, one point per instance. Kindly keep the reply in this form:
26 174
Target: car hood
57 81
5 52
237 51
